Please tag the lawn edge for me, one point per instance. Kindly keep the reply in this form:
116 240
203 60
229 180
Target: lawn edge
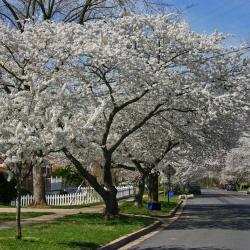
124 240
170 214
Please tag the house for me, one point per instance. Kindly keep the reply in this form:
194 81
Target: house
3 170
51 183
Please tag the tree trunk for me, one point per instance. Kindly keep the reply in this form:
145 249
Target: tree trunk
153 187
108 193
139 192
38 186
111 203
18 206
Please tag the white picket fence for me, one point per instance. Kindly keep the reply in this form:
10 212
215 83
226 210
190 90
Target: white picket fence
87 196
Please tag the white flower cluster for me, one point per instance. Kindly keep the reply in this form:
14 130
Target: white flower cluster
60 83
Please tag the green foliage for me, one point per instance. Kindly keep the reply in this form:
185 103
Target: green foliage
245 185
69 175
25 192
128 207
80 231
7 189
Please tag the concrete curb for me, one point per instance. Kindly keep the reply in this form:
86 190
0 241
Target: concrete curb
124 240
173 211
130 237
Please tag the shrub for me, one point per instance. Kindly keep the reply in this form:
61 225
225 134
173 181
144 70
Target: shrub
7 189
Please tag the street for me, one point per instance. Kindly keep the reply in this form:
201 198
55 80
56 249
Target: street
216 220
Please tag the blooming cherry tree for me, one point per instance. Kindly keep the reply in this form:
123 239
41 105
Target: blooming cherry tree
92 87
237 166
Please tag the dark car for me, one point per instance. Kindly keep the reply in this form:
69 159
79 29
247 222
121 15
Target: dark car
193 188
63 191
231 187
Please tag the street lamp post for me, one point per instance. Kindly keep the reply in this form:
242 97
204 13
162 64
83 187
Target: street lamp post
169 171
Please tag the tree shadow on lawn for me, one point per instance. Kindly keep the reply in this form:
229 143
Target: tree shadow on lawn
99 219
82 245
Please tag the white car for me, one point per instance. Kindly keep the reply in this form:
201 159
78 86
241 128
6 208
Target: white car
248 190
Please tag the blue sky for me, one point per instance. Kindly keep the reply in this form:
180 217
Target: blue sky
227 16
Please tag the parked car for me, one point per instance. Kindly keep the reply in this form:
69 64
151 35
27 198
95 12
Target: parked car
58 192
63 191
248 190
193 188
231 187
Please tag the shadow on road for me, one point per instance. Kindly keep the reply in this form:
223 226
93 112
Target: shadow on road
231 217
211 195
183 248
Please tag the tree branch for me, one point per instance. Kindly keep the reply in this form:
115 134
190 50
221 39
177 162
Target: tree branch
112 116
137 126
84 173
117 166
11 9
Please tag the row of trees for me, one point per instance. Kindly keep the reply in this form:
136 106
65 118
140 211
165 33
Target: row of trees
130 92
16 13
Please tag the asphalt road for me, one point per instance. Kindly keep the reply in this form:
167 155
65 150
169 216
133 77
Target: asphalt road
216 220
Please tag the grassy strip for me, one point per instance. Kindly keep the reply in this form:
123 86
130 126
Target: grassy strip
77 206
81 231
129 208
61 207
4 206
24 215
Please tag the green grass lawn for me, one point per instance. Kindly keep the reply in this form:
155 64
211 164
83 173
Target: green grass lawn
25 215
242 191
4 206
63 206
81 231
77 206
129 208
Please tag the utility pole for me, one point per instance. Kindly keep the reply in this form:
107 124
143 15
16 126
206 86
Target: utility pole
169 171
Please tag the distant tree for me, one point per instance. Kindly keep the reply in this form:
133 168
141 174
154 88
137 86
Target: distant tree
237 165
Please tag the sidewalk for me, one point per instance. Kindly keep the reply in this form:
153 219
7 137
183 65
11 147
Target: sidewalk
58 213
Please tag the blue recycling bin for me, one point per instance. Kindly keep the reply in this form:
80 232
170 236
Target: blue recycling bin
154 206
171 193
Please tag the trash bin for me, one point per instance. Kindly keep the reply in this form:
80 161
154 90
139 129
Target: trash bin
154 206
